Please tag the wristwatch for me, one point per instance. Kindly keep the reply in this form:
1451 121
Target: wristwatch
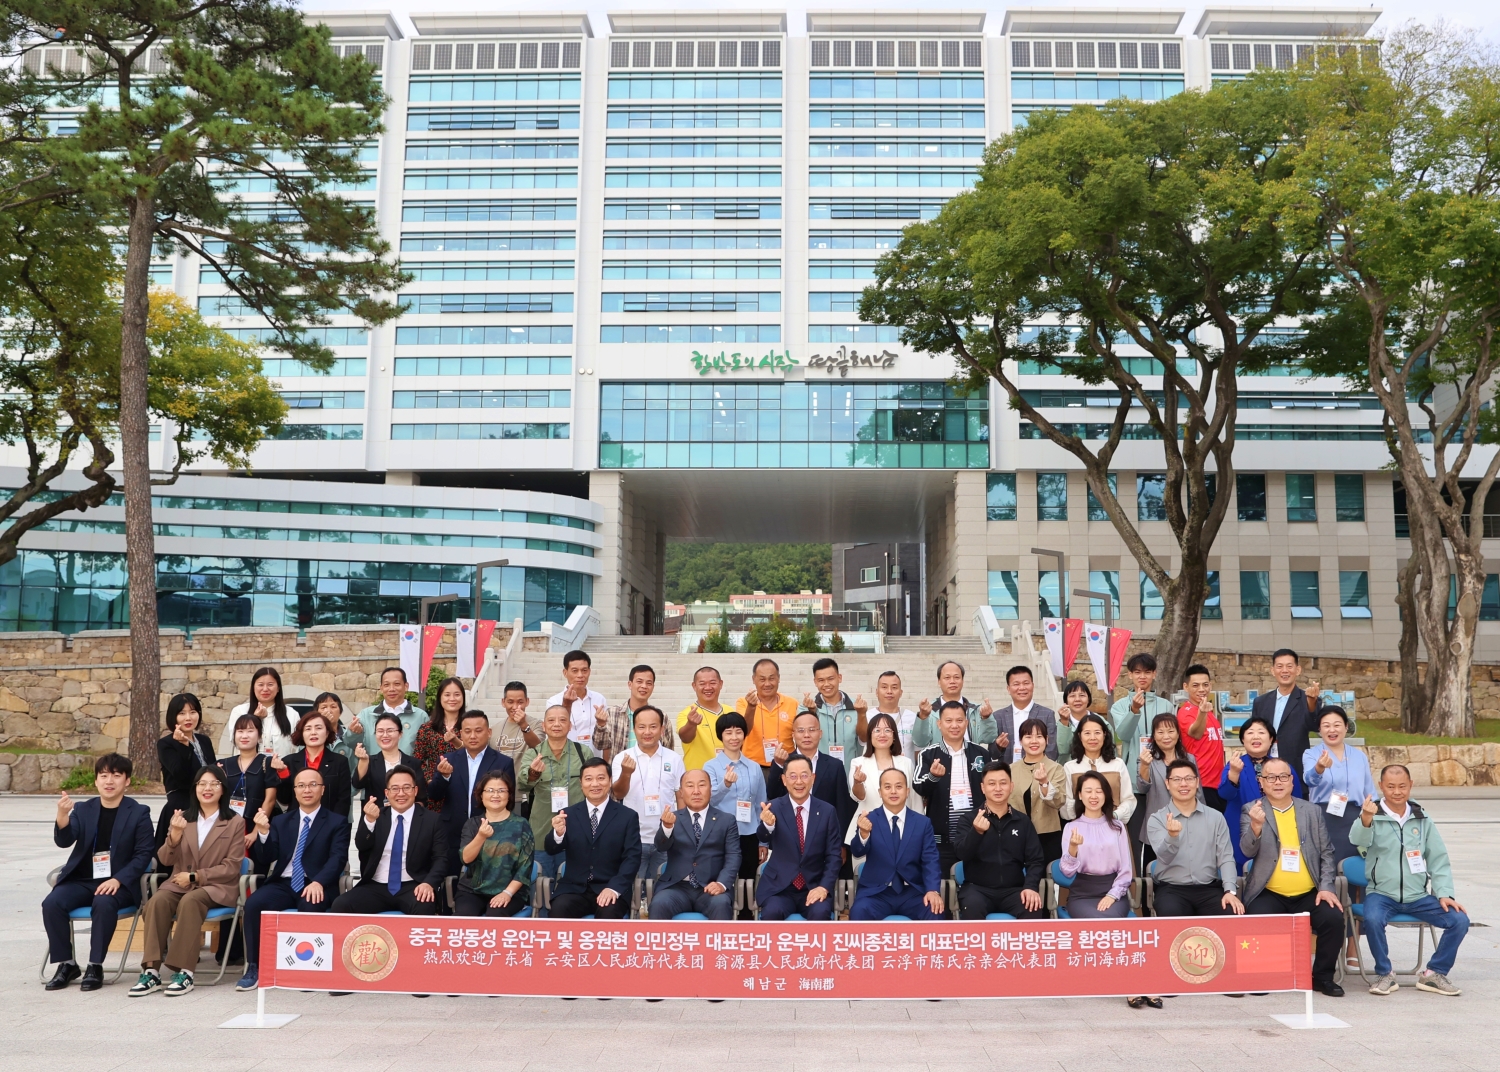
193 878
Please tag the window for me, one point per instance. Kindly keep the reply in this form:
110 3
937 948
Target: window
1150 496
869 575
1301 497
1305 603
1354 593
1005 598
1213 610
1151 601
1000 505
1096 508
1250 489
1255 595
1104 581
1349 497
1049 600
1489 599
1052 496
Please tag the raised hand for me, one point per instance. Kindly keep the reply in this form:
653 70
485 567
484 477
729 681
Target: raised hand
1075 843
1324 762
859 776
571 694
518 716
1257 818
1138 701
181 734
537 766
262 822
64 808
627 764
177 825
766 816
986 709
360 752
782 755
1367 811
372 809
808 702
924 709
865 826
559 825
1236 766
1174 825
695 716
277 763
937 770
1002 742
750 700
1312 690
730 776
356 726
444 767
450 736
668 819
861 705
982 820
486 831
600 717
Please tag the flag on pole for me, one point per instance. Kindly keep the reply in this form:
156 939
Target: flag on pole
1072 634
484 628
1052 633
1093 637
467 657
432 636
411 655
1119 643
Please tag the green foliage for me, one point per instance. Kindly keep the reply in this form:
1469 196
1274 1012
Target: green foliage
716 571
835 642
765 638
79 778
807 637
718 641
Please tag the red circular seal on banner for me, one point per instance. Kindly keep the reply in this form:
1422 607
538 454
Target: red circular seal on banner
370 953
1197 955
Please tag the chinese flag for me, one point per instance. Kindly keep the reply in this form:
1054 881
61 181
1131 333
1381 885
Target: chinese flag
1263 954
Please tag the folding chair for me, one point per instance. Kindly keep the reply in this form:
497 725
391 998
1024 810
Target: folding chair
1352 869
956 873
85 914
1060 881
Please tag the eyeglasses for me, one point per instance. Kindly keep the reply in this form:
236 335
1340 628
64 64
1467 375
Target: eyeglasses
1277 778
1186 779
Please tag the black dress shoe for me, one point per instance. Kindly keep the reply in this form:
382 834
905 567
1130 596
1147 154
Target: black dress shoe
65 974
93 978
1331 989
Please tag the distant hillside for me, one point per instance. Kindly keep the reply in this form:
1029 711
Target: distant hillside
720 570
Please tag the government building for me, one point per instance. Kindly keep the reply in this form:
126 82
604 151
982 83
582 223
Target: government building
637 250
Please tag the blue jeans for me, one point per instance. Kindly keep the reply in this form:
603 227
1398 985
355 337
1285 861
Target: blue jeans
1453 924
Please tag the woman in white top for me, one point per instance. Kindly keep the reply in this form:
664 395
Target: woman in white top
882 752
1094 750
269 705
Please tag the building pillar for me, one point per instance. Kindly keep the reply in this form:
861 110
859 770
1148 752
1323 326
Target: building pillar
970 563
607 490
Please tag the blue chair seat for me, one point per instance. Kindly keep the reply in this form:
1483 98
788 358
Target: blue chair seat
999 915
87 912
392 913
898 919
216 914
690 915
796 917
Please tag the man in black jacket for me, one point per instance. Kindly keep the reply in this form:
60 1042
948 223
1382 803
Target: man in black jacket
1291 710
1001 854
403 855
601 840
948 779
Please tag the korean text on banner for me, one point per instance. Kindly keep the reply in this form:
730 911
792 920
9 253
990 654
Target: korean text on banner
696 959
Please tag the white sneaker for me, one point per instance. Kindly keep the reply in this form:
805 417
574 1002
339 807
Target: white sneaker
1386 984
1437 983
148 983
182 983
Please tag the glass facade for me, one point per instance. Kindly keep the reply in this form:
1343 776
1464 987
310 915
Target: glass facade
69 591
924 425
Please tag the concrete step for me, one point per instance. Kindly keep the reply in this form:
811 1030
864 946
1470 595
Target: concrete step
951 646
638 644
674 674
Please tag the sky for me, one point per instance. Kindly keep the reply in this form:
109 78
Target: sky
1481 15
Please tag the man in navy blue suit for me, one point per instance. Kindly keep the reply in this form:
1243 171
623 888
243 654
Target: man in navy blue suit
901 875
803 833
304 851
458 772
601 840
113 844
702 845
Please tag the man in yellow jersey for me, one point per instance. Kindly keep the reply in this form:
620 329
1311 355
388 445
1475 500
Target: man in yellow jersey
695 722
769 714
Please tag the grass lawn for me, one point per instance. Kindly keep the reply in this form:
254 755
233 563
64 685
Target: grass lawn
1387 731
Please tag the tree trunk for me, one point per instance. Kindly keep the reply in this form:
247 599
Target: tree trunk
1181 622
1415 700
140 541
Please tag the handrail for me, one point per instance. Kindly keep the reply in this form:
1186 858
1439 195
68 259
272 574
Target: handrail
495 662
988 629
1048 692
581 624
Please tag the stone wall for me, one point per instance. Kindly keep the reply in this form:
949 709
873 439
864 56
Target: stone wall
72 695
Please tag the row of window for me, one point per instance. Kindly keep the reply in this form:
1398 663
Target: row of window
832 53
1150 489
323 399
489 55
501 88
521 118
711 334
508 149
857 116
483 366
1094 89
517 210
387 539
692 302
692 117
508 179
694 87
820 455
694 53
1330 433
489 335
1097 55
434 513
486 241
1305 599
1235 56
487 271
530 430
896 87
483 399
454 304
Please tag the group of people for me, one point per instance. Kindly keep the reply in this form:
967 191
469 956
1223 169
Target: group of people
458 812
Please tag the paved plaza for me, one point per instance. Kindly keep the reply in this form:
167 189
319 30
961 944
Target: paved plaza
105 1030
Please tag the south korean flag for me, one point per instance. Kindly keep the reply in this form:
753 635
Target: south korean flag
298 951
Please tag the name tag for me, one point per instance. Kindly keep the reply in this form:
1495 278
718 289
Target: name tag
770 754
581 736
1145 746
101 864
837 752
1416 863
266 750
653 804
1337 803
1291 860
960 798
742 813
559 799
237 805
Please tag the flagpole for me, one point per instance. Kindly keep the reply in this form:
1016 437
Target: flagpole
1109 620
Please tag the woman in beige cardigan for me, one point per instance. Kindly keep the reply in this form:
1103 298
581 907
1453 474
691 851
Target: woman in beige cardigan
1038 787
204 850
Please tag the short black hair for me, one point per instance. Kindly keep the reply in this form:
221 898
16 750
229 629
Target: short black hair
824 663
713 669
1402 767
996 765
177 703
1142 660
577 655
760 662
959 704
386 716
473 712
888 673
393 670
1077 685
1279 652
1182 763
401 768
1014 670
951 662
794 757
1335 709
594 761
731 720
515 686
660 718
1256 720
113 763
806 714
1030 726
1106 750
495 774
1195 668
639 668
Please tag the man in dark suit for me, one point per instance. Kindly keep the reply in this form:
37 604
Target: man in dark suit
948 779
804 834
403 856
900 876
1022 688
458 772
830 779
703 855
601 841
1292 711
303 852
113 845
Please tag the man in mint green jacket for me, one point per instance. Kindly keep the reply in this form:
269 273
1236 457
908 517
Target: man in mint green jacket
1404 858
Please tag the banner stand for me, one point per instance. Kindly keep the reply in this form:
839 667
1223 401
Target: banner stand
262 1020
1306 1021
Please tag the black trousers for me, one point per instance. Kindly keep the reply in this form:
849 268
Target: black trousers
1204 900
976 902
579 905
66 896
478 904
749 865
1213 800
1327 927
368 898
1051 846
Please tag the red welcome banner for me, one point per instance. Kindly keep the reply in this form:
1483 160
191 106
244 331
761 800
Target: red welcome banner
646 959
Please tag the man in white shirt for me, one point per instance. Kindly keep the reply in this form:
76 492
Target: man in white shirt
888 694
901 876
403 855
585 707
646 778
